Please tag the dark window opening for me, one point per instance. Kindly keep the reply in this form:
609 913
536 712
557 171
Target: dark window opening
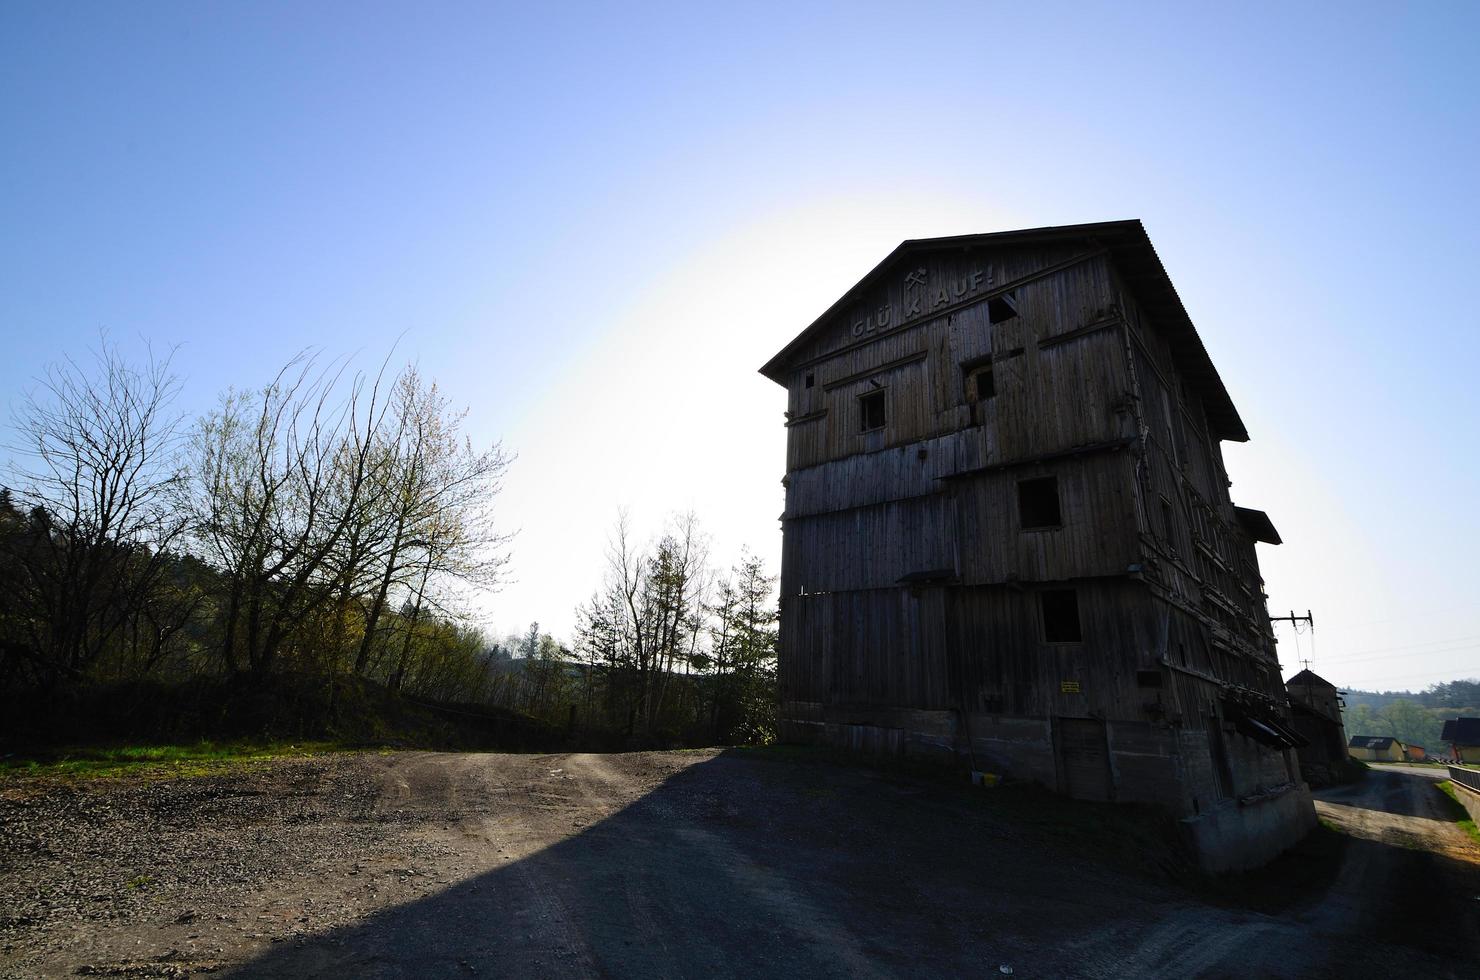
978 383
871 406
1000 308
811 380
1060 616
1038 503
986 387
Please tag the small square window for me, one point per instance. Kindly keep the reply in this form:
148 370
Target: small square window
978 382
1060 615
811 380
1038 503
985 385
871 409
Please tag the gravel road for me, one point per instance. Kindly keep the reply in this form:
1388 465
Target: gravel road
1405 902
681 864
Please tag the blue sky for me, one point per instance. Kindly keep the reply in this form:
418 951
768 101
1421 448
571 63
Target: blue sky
592 224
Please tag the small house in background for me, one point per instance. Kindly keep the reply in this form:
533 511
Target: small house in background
1415 753
1315 712
1008 536
1462 735
1375 748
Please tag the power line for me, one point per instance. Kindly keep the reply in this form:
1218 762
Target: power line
1340 627
1462 640
1407 656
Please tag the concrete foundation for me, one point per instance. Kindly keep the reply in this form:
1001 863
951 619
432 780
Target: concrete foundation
1239 835
1146 764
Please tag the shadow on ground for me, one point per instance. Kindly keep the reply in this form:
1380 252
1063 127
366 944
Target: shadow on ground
744 866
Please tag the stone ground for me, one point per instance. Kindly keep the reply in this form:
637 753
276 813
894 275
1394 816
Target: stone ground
688 864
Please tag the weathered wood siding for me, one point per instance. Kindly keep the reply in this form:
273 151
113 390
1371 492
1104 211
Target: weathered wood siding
1197 554
969 648
1062 339
1097 537
911 608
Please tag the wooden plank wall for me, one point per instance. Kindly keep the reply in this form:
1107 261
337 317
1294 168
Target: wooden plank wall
979 649
871 547
936 490
1195 545
876 545
890 474
882 647
919 368
949 270
1098 536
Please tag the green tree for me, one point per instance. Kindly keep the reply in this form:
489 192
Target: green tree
1406 721
743 654
1362 720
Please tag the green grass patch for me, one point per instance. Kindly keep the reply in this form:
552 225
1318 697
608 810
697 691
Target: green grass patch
169 761
1458 811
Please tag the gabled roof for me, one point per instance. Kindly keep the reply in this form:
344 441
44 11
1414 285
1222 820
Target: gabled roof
1139 266
1371 742
1461 731
1309 678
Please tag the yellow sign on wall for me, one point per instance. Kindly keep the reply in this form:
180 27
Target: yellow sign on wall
1068 687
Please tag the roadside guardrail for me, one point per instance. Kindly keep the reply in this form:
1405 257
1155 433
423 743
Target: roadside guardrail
1464 776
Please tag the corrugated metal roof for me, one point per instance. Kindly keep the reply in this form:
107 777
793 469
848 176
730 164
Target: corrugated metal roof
1134 256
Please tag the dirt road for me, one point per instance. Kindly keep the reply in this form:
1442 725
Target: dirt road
1405 903
690 864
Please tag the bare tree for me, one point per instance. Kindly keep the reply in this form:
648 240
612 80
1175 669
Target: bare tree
439 532
99 468
280 475
653 610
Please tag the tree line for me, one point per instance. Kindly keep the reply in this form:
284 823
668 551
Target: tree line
327 532
1415 718
668 649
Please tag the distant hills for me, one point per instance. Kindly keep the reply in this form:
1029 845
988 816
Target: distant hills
1415 717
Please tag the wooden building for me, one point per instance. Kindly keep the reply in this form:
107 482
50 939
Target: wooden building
1008 535
1462 735
1315 707
1376 748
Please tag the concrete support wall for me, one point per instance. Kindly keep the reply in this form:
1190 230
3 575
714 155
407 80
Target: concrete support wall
1465 783
1237 835
1148 763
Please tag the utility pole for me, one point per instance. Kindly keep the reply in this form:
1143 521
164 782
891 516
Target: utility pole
1294 620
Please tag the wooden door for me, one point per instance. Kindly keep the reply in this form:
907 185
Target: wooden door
1084 758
